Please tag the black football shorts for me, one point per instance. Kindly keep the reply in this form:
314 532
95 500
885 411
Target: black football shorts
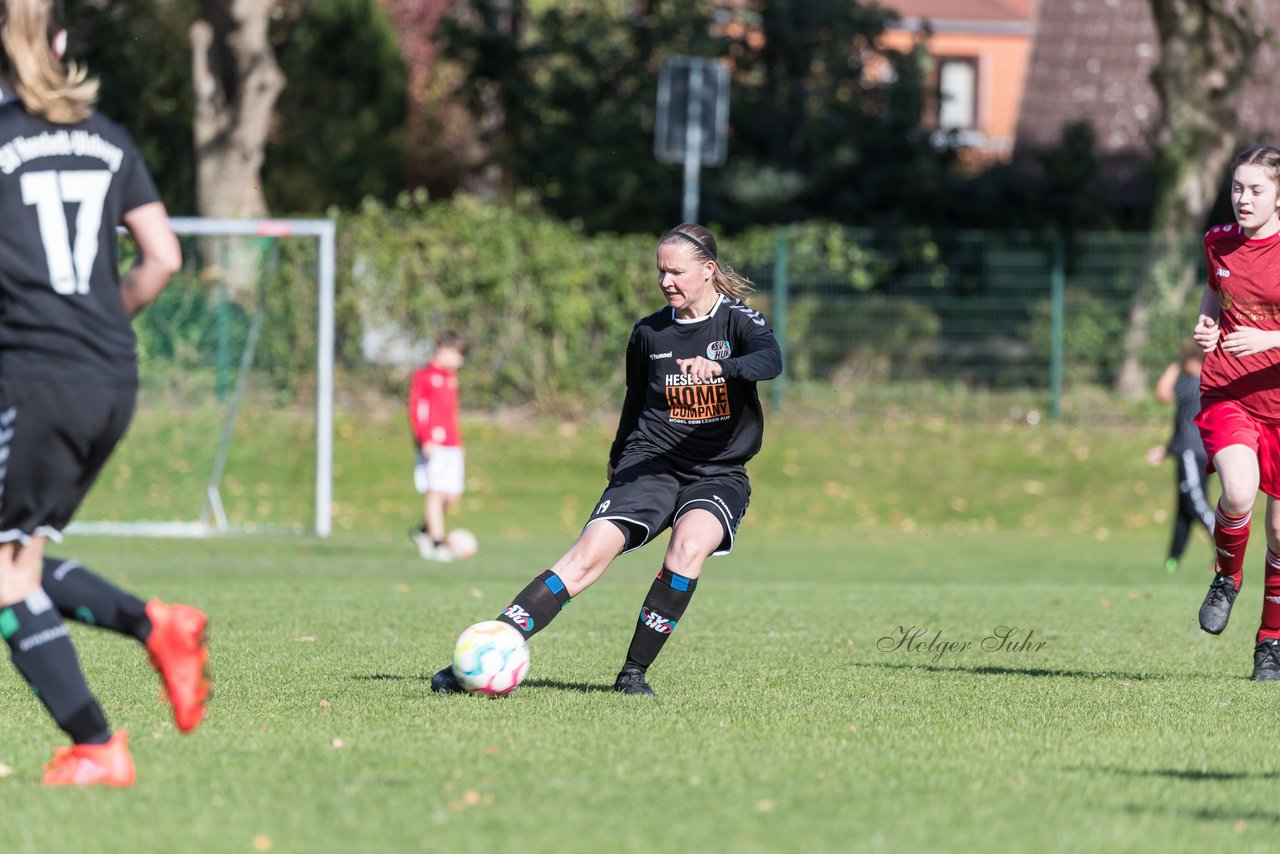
55 437
648 494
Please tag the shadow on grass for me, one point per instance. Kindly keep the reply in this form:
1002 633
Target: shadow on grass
1191 774
1214 814
580 687
997 670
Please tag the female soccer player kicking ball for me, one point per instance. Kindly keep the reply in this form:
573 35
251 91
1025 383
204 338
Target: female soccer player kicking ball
690 421
1239 330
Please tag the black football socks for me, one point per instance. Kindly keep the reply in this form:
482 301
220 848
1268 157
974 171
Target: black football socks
663 607
536 605
80 595
43 654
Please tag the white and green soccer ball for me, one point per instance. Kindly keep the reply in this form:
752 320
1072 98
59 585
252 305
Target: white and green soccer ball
490 658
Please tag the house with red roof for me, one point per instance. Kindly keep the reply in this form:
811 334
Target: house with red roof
979 51
1091 63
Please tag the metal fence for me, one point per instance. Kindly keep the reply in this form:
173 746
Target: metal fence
1037 317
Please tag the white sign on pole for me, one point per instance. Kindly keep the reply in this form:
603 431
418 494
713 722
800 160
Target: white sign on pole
693 119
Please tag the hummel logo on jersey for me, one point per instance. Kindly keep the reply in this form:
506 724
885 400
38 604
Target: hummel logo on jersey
519 616
656 356
657 622
1223 273
1275 599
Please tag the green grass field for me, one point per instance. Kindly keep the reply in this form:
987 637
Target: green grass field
789 718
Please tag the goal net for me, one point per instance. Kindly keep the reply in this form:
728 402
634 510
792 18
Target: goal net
233 430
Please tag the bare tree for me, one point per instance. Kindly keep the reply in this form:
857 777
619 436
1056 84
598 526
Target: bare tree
237 82
1208 48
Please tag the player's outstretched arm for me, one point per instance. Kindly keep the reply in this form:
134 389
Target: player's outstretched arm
1164 385
159 256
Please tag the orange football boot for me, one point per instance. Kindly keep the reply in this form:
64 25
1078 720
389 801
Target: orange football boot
92 764
179 651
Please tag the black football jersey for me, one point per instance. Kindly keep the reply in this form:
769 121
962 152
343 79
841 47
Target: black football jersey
717 421
1186 435
63 191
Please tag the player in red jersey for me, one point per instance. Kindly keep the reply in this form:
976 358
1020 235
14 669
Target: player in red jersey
1239 330
433 414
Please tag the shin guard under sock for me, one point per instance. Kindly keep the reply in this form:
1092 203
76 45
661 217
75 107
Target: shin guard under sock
536 605
1230 536
80 595
43 654
668 597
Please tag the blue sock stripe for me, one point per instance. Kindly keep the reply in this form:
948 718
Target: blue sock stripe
676 581
556 587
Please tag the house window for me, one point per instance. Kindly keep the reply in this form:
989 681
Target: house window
958 94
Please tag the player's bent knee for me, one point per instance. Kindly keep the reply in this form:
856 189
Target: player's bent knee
1237 499
695 538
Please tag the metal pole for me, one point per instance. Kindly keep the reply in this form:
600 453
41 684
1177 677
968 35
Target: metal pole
224 320
693 142
780 263
324 383
1057 281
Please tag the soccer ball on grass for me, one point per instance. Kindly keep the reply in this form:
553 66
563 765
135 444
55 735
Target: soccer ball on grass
490 658
461 542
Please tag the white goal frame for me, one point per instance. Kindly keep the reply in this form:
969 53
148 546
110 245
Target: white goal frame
326 233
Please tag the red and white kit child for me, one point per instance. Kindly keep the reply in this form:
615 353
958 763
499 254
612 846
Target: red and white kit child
439 471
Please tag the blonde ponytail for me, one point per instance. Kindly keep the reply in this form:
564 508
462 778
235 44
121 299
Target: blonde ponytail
59 93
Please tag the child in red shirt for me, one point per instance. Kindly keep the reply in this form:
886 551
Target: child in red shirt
433 414
1239 330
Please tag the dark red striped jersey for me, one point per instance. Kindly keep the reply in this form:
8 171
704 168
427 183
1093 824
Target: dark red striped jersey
63 191
717 421
1246 275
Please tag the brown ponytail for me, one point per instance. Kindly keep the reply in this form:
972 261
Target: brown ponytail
1266 156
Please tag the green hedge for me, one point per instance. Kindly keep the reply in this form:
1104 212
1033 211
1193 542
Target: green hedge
547 310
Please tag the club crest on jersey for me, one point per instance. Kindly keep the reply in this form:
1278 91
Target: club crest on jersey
718 350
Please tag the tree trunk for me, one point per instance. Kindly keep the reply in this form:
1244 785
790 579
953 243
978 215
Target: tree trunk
236 84
1208 48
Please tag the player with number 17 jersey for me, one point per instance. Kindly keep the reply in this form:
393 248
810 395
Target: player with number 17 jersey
68 385
63 190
